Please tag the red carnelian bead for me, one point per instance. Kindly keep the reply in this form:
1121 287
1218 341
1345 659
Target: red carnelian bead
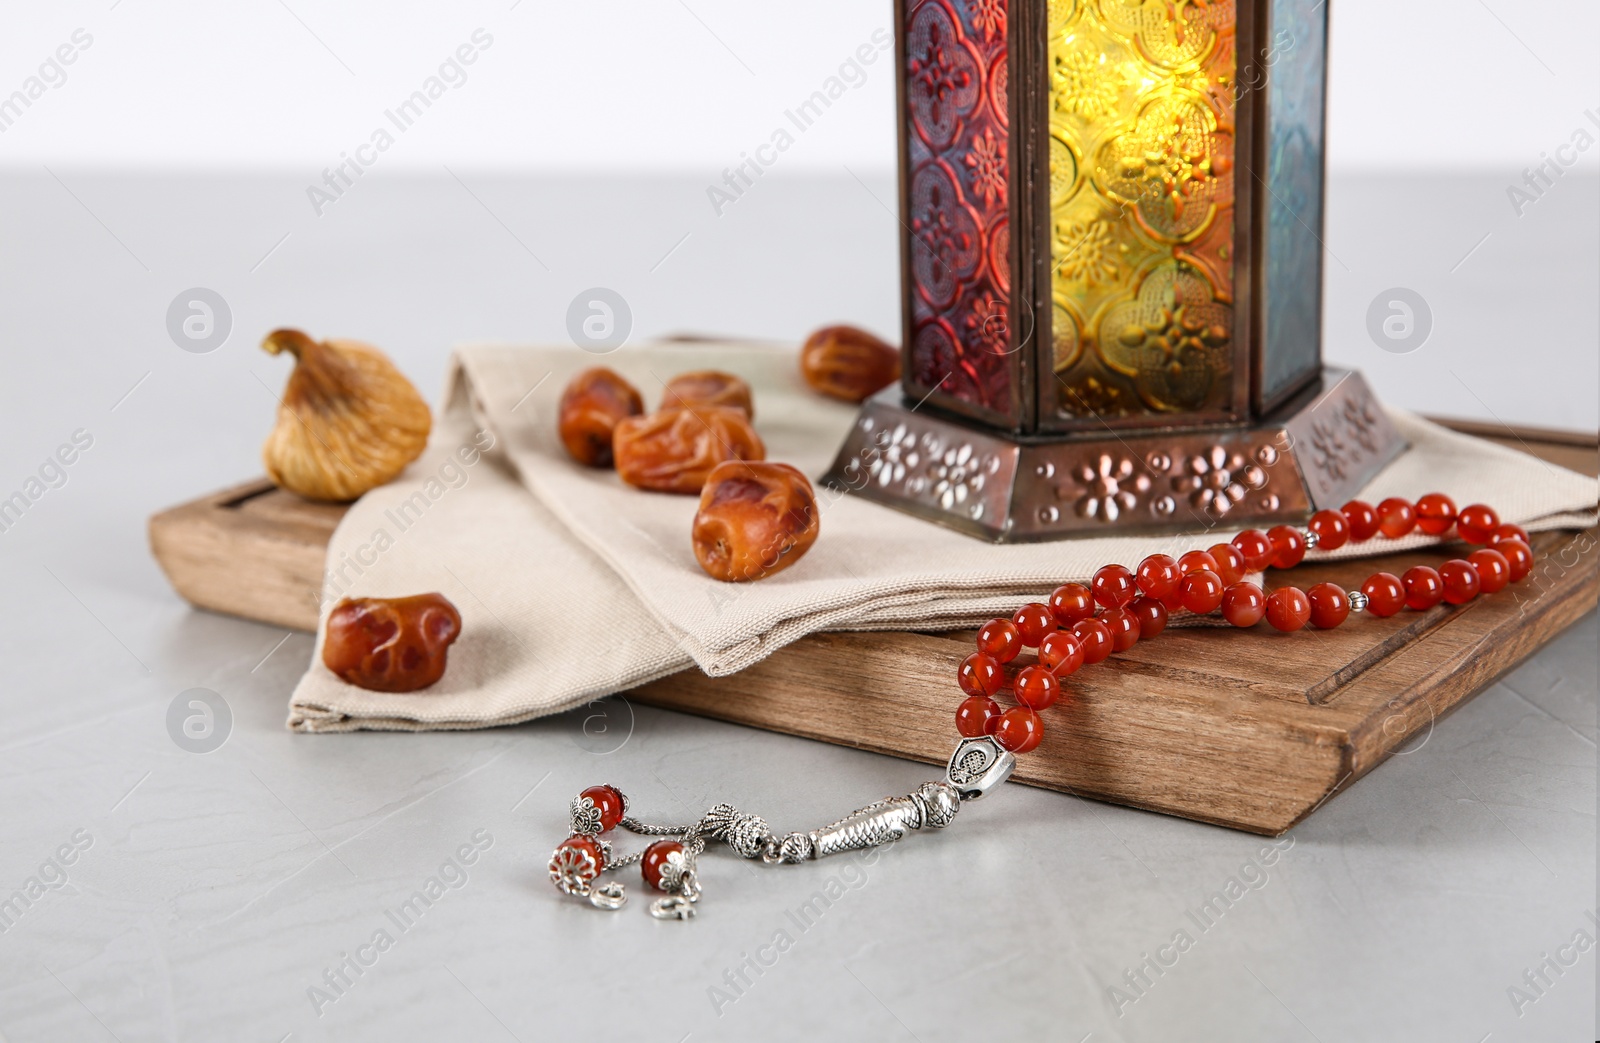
1386 595
1424 588
1158 575
1256 548
1095 637
979 715
1062 652
1362 518
980 674
1396 517
578 843
1020 729
1332 530
1243 604
1436 512
656 857
1174 602
1518 556
1288 608
1476 523
1124 627
1202 592
609 802
1509 532
1330 605
1000 639
1070 603
1460 581
1151 614
1194 561
1230 562
1037 687
1033 622
1113 586
1494 571
1288 546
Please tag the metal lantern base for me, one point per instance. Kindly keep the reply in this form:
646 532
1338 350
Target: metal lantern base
1318 451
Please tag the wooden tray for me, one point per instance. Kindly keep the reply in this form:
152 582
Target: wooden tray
1249 730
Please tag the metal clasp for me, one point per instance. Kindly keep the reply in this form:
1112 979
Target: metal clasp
681 905
673 907
611 896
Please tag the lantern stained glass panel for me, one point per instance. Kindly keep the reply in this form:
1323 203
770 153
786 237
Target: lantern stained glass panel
960 350
1141 109
1293 60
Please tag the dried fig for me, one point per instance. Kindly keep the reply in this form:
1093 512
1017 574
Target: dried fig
673 450
591 406
847 363
708 387
755 519
349 421
390 644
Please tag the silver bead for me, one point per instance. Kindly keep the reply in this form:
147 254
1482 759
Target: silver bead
1358 601
719 820
796 847
1312 539
747 835
939 802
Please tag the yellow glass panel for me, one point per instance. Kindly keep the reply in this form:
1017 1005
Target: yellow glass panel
1142 102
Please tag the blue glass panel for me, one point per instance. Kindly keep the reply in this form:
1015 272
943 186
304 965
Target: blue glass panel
1296 60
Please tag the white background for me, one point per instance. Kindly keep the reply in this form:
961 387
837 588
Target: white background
689 84
183 144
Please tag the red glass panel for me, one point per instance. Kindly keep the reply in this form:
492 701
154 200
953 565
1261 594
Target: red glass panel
955 90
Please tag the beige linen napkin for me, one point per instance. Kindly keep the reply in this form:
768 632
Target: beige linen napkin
572 586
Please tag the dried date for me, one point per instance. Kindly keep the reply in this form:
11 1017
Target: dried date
708 387
675 449
755 519
591 406
847 363
390 644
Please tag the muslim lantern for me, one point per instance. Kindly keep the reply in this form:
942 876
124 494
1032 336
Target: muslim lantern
1111 258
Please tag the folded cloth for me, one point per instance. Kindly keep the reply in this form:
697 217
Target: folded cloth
572 585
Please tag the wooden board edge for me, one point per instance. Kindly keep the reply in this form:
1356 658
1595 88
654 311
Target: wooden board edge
197 546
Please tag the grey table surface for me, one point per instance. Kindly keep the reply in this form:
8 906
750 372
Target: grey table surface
211 896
